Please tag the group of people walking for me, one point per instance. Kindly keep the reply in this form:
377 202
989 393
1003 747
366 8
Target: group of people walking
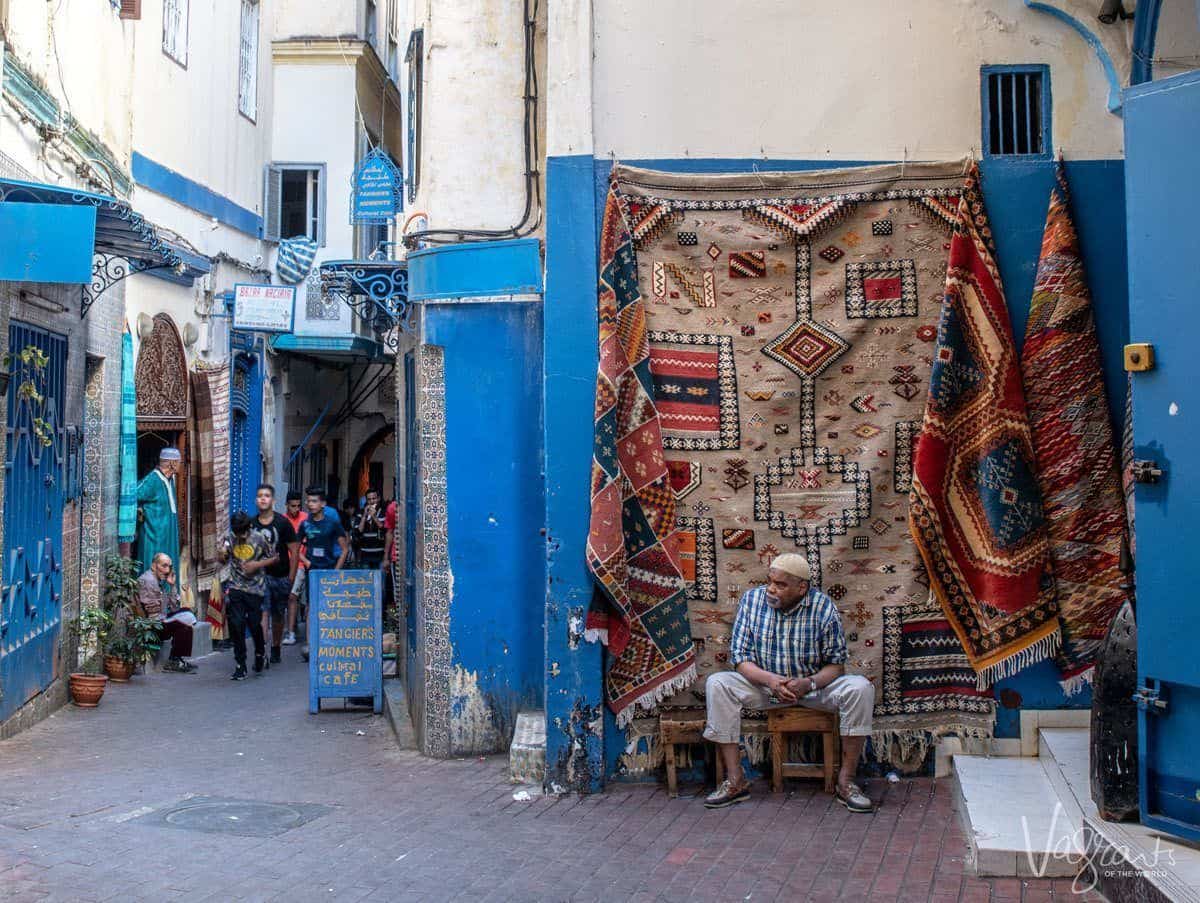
267 557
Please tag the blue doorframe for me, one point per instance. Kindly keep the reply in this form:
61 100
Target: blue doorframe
246 426
31 600
1162 129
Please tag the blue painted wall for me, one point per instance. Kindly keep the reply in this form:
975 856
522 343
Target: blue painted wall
179 188
492 352
1017 194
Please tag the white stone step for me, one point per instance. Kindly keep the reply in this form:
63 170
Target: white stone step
1131 861
1017 822
527 755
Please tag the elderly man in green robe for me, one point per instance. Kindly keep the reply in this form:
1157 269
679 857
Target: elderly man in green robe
158 521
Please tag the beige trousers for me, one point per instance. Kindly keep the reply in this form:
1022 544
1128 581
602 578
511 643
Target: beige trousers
851 696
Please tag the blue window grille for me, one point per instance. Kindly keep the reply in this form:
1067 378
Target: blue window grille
1016 111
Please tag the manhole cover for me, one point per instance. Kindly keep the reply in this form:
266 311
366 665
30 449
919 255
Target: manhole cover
248 818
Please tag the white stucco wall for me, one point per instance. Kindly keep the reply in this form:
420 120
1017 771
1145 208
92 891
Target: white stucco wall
92 83
472 160
187 119
855 80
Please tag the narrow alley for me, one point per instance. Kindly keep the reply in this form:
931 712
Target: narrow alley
83 792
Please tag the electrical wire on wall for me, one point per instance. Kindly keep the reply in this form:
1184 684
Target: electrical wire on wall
531 218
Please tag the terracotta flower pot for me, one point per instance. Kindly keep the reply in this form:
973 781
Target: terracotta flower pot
86 689
117 668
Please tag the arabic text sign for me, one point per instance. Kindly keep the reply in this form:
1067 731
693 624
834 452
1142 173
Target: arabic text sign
377 184
345 635
264 308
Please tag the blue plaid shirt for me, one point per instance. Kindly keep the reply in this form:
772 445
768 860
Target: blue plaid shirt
793 644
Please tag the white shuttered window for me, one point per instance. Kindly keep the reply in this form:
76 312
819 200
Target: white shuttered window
175 30
248 61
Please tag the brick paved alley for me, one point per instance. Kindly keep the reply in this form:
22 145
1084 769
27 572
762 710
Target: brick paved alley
74 788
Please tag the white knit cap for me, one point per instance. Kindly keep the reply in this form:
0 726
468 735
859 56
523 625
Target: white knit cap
791 563
170 454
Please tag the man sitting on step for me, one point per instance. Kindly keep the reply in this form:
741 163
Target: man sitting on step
789 649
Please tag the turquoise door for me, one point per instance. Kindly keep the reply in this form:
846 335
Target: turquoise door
1162 190
31 596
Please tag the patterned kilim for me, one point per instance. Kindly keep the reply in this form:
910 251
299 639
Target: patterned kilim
127 502
766 343
210 471
1073 437
976 509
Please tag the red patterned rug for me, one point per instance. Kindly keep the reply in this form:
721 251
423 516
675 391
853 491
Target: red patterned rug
976 509
634 545
1073 437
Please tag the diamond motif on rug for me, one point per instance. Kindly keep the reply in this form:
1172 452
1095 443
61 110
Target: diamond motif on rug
806 348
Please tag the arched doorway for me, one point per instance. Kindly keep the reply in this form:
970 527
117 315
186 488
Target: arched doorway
161 383
366 472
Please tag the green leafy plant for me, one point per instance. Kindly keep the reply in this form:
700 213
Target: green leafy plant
134 638
91 628
31 390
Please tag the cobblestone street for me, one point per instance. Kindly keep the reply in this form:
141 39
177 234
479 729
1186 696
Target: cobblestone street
74 789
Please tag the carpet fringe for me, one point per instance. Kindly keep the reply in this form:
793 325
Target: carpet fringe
1076 683
650 699
906 749
1043 649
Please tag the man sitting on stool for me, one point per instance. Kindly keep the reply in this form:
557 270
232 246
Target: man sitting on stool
159 597
788 649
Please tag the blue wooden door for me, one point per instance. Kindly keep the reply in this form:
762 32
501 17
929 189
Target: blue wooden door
31 601
246 428
1162 132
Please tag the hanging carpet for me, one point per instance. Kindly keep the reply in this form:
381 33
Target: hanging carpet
976 509
211 466
1072 434
765 346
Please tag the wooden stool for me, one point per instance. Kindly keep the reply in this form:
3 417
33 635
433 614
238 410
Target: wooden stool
681 727
799 720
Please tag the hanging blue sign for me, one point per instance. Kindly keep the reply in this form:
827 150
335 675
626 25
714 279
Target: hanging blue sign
377 190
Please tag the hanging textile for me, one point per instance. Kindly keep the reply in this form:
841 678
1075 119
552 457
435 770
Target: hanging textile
1073 438
127 503
765 349
294 260
210 466
975 508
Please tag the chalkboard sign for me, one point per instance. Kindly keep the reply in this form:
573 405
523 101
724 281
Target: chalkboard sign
377 189
345 624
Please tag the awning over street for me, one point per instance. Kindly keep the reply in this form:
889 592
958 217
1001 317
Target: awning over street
55 234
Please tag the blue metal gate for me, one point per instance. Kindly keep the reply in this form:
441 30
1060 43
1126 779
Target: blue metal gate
246 431
31 601
1162 189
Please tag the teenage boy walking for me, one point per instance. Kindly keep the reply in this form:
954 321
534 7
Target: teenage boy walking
275 529
326 545
296 515
249 556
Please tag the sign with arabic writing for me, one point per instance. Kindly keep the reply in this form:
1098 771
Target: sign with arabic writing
377 189
345 621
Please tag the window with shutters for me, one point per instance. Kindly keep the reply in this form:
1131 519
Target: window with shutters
175 30
414 57
248 61
1016 111
130 9
294 202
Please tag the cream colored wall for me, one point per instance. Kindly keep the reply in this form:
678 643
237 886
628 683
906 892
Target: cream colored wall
306 18
472 161
188 119
93 82
854 80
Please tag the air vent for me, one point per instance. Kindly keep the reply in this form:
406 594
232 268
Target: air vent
1016 111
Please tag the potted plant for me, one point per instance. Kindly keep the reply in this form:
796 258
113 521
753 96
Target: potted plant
91 628
134 637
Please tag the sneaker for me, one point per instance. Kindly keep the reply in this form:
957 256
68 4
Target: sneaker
178 666
304 653
289 639
275 656
854 799
727 795
258 663
240 673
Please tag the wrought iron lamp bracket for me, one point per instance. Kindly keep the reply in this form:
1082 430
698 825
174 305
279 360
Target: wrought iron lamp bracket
376 291
107 271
